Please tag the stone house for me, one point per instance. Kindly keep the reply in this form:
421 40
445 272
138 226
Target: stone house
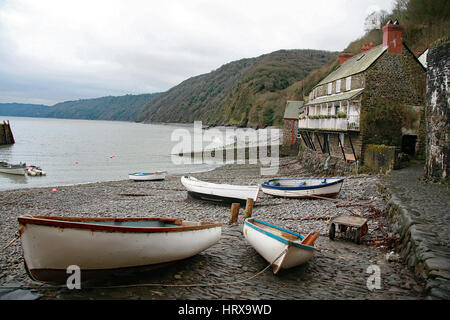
336 118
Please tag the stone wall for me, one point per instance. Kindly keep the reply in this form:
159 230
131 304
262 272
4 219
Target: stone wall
6 135
290 128
323 164
380 159
437 113
397 78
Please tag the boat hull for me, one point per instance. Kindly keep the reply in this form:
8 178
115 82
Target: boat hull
325 190
16 171
156 176
224 193
282 251
215 198
50 246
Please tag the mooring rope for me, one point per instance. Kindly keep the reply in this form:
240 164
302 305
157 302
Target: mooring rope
157 284
11 242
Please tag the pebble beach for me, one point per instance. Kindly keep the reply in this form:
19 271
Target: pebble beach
232 269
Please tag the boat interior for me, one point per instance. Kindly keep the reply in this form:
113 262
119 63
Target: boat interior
289 183
308 240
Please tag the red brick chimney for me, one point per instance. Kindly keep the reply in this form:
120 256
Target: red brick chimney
392 37
366 47
344 56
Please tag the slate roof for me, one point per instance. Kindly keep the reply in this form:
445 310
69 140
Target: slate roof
355 65
292 109
336 97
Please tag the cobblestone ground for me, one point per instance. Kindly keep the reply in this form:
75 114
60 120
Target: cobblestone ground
229 269
427 207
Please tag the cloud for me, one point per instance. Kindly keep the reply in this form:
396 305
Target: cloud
80 49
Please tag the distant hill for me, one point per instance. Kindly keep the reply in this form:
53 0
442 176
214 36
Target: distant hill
124 108
243 92
23 110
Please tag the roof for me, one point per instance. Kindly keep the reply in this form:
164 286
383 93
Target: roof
292 109
336 97
423 58
355 65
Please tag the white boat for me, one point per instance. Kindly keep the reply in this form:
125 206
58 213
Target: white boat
281 247
18 169
302 187
227 193
147 176
35 171
51 244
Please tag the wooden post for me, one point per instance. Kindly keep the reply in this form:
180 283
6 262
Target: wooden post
234 213
248 208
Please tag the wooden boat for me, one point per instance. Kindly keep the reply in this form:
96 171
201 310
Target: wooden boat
226 193
19 169
303 187
281 247
147 176
51 244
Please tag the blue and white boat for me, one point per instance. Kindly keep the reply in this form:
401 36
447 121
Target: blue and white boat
302 187
281 247
18 169
147 176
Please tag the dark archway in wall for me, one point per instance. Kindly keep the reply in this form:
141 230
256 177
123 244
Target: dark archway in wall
409 144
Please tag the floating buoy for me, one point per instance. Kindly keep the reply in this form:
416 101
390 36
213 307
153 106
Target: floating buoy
54 190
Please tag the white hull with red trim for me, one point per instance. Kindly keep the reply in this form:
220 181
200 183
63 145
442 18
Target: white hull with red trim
52 246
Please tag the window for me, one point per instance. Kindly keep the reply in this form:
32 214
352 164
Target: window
338 85
348 83
330 86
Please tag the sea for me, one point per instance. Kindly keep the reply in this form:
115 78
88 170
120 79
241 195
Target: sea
87 151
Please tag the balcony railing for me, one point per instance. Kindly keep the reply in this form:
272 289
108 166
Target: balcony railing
351 122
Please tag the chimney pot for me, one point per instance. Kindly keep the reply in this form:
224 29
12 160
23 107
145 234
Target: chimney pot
344 57
366 47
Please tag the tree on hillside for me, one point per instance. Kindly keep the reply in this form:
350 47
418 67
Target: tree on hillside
375 20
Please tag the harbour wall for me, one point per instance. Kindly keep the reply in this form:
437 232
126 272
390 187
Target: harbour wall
6 135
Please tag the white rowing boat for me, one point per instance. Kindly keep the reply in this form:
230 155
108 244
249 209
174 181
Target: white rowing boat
219 192
303 187
147 176
51 244
281 247
18 169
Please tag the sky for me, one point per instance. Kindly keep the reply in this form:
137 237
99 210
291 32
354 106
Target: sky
53 51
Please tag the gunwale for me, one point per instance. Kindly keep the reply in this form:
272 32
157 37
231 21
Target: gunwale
83 223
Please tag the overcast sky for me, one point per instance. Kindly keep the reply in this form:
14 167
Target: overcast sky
57 50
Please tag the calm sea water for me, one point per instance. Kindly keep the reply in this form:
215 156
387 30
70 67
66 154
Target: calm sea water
85 151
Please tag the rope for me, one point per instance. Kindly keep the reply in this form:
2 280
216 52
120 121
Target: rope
12 241
158 284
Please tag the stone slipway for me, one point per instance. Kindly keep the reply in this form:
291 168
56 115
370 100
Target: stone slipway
420 213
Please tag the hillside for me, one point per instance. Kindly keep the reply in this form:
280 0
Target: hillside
424 22
124 108
23 110
244 92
